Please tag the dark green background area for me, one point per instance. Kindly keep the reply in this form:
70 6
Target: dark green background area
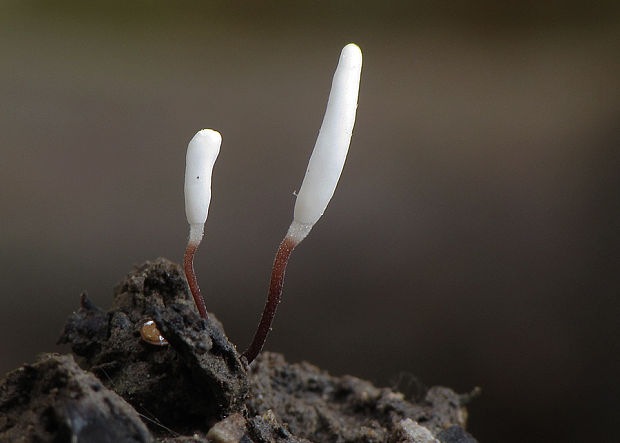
473 239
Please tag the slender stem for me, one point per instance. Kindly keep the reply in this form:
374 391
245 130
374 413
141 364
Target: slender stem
273 298
188 264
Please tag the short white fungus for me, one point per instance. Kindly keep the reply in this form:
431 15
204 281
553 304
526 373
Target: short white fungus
202 152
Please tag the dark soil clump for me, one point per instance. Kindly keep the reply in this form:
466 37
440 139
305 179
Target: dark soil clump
325 408
54 400
198 388
190 384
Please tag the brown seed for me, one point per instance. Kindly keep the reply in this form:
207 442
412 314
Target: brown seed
151 334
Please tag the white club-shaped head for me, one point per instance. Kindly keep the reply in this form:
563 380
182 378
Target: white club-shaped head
332 144
202 152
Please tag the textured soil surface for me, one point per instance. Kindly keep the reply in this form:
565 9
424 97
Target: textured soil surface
196 387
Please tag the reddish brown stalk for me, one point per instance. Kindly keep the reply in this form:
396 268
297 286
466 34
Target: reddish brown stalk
273 298
188 264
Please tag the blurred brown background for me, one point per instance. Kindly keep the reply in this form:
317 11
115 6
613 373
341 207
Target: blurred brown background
473 239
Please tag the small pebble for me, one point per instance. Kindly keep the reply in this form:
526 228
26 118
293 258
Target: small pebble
151 334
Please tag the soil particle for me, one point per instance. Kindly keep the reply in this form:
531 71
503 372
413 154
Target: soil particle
197 389
54 400
409 430
230 430
266 428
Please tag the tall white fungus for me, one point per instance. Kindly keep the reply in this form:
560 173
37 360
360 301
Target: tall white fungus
332 144
324 168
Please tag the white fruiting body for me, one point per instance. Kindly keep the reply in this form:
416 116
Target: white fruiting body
324 169
332 145
202 152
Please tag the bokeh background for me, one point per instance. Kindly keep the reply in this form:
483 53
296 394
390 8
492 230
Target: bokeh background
473 239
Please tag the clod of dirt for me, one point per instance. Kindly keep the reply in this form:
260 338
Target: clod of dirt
192 383
55 400
320 407
197 389
212 360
